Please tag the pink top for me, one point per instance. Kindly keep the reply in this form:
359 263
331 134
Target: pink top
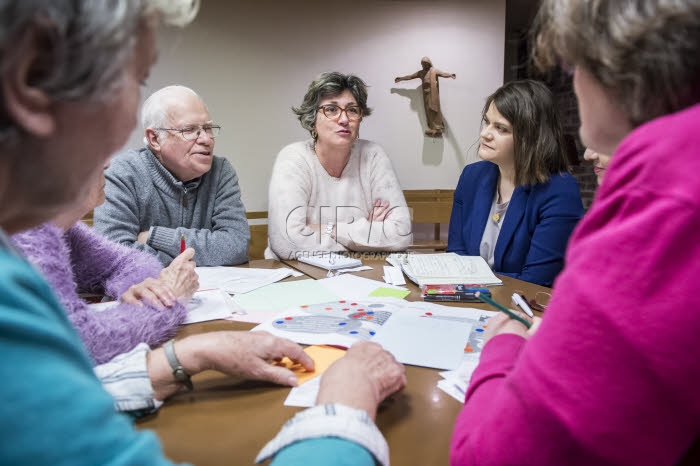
612 376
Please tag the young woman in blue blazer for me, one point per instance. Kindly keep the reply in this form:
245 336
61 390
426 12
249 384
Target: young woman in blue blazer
518 206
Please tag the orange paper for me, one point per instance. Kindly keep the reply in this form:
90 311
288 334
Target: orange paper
323 357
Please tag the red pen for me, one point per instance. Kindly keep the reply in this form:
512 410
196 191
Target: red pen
183 246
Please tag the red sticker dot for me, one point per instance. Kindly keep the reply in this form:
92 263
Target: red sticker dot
360 309
428 313
353 304
343 301
346 308
288 318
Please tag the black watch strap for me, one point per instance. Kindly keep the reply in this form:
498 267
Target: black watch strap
178 371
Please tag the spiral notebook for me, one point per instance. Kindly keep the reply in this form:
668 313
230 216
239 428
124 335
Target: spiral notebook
331 261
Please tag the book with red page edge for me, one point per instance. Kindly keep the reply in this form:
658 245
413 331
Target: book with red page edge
453 293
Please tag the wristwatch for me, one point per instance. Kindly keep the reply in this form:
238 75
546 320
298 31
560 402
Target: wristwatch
178 371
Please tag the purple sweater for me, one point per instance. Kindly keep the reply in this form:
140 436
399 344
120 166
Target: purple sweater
612 376
83 261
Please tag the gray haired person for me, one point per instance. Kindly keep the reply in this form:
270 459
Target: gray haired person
70 74
175 187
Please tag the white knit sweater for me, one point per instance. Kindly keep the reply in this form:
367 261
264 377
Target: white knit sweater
303 193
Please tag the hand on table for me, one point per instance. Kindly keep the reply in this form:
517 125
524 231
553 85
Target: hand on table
362 379
180 276
501 323
248 355
240 354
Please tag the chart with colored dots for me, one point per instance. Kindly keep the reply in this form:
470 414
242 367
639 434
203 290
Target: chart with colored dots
345 322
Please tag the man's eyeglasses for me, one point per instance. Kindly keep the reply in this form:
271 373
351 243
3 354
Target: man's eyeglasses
190 133
333 112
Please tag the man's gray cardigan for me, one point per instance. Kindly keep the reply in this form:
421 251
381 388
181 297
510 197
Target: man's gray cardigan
143 195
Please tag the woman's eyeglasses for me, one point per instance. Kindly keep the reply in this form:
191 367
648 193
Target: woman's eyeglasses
333 112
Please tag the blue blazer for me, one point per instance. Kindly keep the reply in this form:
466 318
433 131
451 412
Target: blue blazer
534 232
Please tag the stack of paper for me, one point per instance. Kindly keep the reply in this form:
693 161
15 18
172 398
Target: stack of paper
442 269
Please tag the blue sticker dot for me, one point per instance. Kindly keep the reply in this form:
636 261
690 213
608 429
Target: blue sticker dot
370 313
279 322
480 330
342 323
372 333
354 332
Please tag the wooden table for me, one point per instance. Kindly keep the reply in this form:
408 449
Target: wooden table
225 421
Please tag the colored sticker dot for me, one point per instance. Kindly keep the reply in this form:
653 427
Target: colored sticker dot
304 306
346 308
468 350
360 309
370 313
342 323
370 317
342 302
329 309
288 318
279 322
355 316
372 333
354 332
479 329
428 313
353 304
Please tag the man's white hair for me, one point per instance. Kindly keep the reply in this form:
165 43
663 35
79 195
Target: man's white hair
154 111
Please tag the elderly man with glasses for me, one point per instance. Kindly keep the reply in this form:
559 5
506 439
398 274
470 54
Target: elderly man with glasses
176 187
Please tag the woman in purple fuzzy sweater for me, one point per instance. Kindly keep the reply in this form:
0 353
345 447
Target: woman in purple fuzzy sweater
75 259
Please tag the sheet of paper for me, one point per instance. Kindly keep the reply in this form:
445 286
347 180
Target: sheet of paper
353 287
419 341
210 305
304 396
331 261
354 269
285 295
455 382
323 357
236 280
342 322
452 389
389 292
205 305
393 275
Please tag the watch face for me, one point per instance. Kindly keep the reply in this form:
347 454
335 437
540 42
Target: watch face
179 374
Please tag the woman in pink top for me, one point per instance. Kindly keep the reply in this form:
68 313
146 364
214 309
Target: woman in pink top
610 375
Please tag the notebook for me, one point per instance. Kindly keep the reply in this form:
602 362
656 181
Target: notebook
445 269
330 261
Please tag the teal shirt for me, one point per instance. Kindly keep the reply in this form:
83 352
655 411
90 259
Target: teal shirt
53 408
324 451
